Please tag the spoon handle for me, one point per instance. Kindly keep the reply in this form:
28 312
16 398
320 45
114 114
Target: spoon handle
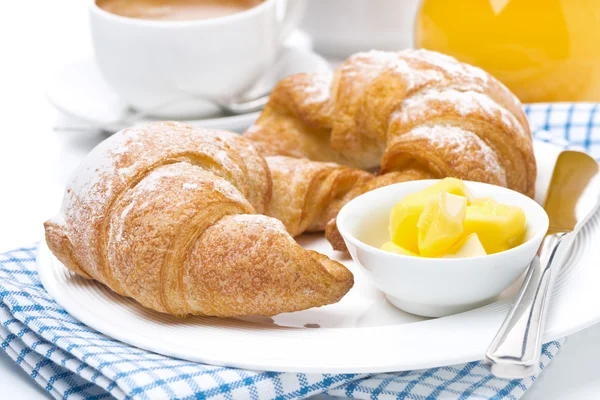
515 351
246 107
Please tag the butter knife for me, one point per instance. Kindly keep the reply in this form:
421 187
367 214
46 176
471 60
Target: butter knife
573 197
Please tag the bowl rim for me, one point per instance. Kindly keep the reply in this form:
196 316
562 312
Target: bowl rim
536 237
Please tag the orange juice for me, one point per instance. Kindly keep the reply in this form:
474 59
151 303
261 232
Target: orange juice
543 50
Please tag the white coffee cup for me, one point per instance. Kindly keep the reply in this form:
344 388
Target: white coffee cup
169 67
340 28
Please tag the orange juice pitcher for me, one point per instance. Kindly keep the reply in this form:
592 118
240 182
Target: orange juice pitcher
543 50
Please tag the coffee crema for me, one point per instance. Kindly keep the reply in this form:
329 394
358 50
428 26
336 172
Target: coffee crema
176 10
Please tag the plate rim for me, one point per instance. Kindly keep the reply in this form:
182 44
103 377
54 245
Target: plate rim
165 348
46 264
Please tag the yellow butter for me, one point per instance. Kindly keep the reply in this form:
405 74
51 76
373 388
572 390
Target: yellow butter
406 213
446 220
440 225
499 226
470 246
448 185
403 224
394 248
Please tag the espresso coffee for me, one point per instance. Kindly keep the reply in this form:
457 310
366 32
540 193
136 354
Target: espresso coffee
176 10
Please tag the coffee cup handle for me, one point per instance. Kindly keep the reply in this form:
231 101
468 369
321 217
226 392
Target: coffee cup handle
289 14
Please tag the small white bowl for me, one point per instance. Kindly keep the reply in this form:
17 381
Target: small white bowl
435 287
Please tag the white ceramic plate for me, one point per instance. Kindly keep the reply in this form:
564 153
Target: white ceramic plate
361 333
79 90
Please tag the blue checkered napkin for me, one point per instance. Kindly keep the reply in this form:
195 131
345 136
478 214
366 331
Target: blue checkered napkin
70 360
571 125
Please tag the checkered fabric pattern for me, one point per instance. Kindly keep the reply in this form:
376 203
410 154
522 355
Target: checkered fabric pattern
70 360
574 126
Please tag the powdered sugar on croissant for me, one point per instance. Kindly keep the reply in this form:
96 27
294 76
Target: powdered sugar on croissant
415 109
413 114
168 214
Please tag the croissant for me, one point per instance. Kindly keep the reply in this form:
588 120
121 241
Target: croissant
170 215
414 114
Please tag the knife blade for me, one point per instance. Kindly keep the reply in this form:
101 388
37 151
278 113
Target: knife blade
573 197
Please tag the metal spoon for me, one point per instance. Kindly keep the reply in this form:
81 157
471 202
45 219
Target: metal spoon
573 197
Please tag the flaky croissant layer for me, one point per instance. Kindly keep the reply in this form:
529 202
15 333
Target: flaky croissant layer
413 114
169 215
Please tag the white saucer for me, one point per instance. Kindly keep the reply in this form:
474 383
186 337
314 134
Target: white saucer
363 333
79 90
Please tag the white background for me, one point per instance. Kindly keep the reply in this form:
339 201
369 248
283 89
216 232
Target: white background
36 38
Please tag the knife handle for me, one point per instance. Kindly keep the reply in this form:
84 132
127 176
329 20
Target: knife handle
515 351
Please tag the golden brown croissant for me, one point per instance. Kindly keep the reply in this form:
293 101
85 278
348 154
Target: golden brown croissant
414 114
168 214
